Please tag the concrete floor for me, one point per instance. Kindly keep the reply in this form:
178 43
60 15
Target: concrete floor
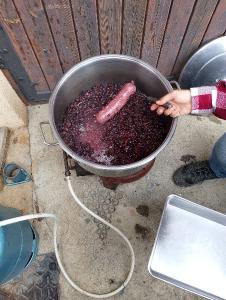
98 259
18 151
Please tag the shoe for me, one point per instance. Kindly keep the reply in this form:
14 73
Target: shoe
193 173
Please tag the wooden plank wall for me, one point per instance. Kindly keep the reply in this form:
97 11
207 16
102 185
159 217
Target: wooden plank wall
50 36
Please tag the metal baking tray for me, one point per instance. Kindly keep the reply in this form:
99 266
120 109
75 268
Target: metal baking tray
190 248
206 66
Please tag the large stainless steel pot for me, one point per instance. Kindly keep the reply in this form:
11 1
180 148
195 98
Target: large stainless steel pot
101 69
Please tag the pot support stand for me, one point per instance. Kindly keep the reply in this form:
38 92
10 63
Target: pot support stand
14 174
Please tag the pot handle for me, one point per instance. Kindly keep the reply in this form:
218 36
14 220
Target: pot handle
174 82
42 124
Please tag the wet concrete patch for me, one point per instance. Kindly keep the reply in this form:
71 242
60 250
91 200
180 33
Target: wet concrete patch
142 231
111 281
188 158
199 118
143 210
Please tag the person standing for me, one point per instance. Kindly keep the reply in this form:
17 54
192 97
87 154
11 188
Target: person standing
198 101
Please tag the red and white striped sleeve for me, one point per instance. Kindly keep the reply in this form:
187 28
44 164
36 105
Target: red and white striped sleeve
210 99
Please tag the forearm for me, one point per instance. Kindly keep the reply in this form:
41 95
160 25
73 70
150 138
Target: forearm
210 99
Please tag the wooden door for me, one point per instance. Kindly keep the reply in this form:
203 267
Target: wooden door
48 37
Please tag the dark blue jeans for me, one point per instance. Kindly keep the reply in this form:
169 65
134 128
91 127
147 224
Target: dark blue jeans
217 159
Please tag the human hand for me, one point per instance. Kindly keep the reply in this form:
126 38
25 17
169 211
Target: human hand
181 104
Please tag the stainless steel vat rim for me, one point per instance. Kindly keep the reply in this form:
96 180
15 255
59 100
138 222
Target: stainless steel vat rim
199 52
92 164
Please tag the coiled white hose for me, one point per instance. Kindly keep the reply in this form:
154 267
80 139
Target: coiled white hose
52 216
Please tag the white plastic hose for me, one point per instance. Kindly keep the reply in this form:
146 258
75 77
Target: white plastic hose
52 216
